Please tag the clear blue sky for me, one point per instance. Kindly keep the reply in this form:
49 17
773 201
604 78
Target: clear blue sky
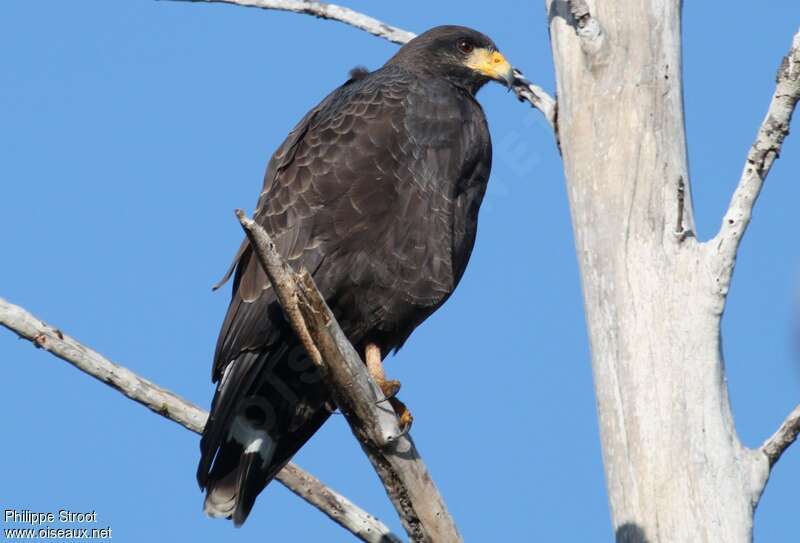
119 119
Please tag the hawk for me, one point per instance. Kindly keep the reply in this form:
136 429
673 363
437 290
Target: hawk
376 193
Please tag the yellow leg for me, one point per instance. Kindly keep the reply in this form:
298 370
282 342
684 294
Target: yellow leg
389 387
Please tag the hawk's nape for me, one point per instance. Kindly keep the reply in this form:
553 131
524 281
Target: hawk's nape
376 193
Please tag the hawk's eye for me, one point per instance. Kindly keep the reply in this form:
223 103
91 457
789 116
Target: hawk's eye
465 46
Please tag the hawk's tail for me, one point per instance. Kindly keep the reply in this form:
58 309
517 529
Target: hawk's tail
241 470
267 405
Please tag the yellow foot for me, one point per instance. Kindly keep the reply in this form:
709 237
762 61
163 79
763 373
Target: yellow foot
389 387
403 414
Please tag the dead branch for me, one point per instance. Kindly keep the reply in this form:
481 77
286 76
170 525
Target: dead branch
406 479
171 406
324 10
537 97
777 444
762 155
523 89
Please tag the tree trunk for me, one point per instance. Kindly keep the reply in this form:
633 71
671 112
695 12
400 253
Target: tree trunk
675 468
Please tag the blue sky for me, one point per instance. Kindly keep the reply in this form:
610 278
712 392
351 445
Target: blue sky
130 132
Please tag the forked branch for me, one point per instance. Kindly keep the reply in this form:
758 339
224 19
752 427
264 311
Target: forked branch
356 395
393 455
173 407
762 155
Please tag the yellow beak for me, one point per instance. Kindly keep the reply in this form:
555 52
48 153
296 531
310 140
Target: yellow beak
491 64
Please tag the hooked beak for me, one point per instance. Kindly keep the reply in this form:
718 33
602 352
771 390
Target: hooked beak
493 65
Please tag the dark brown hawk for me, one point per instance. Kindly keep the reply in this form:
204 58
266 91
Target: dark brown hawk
376 193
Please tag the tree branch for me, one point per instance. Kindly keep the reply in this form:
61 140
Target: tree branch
537 97
338 508
777 444
393 455
173 407
523 89
356 395
762 155
324 10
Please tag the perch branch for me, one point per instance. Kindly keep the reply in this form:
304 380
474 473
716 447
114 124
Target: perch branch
341 366
777 444
173 407
408 484
523 89
762 155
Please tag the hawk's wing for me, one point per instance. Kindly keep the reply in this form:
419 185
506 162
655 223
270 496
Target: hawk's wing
368 176
257 365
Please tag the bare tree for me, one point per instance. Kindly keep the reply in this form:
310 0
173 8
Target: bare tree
654 293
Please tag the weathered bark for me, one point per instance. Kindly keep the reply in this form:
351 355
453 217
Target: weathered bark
654 296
